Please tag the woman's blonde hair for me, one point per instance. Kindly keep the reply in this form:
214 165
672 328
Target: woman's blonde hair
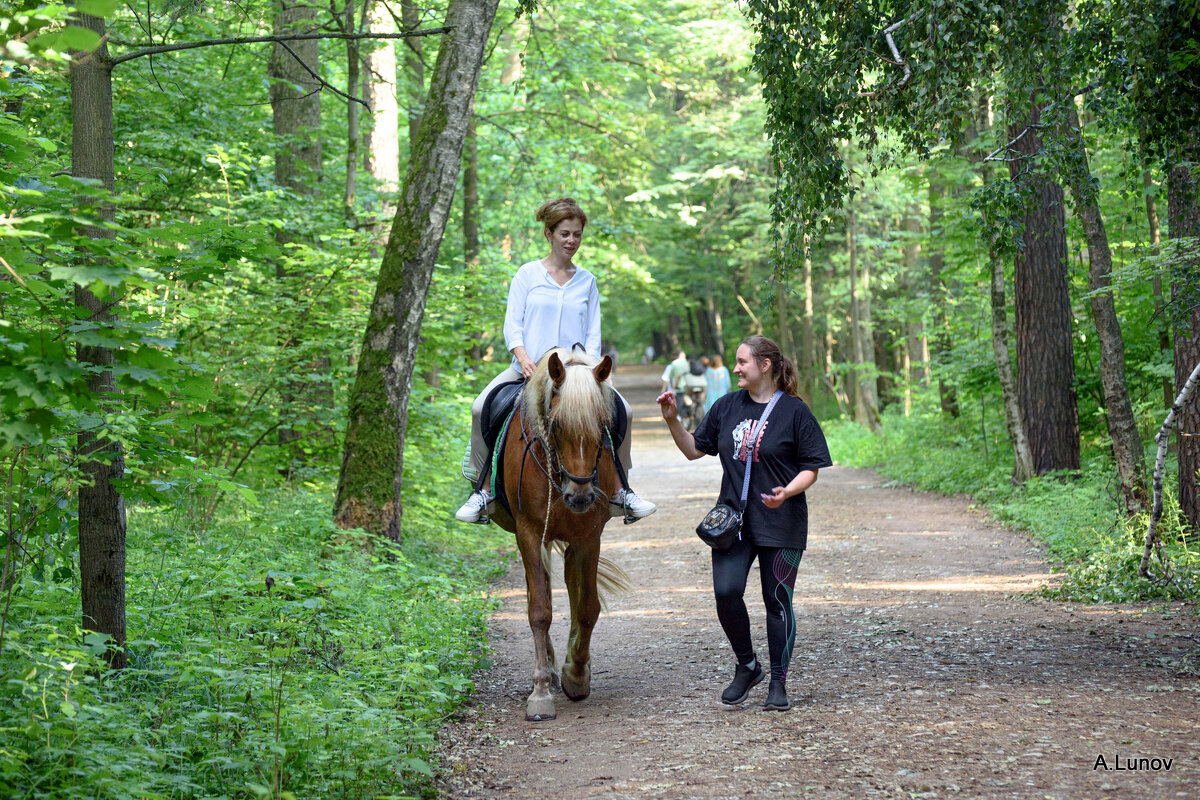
552 213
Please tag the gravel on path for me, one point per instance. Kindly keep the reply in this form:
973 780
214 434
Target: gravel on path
920 668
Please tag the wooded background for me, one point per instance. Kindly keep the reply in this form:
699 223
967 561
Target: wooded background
253 268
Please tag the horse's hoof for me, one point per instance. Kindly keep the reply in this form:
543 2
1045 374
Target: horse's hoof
577 690
539 709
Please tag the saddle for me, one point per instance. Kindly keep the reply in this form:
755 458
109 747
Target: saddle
499 408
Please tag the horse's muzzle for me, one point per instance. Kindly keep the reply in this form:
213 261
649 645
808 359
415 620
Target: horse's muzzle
578 499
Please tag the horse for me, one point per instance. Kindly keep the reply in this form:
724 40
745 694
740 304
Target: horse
558 479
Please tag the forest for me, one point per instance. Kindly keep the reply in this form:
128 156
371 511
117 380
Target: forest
253 266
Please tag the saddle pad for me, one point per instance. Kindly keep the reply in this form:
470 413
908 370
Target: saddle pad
496 408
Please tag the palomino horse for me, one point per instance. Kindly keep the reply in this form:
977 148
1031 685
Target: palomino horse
558 478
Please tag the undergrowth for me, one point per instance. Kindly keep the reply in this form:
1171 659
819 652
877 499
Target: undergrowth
1075 516
270 655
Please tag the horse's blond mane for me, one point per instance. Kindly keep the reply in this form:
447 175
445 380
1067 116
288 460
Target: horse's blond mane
584 406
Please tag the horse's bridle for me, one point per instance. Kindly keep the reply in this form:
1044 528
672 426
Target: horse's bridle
563 472
554 464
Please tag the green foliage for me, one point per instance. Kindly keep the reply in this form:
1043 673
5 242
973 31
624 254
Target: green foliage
1076 517
268 654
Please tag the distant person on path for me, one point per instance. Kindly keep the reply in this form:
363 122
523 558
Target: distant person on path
717 377
551 303
674 371
648 356
787 453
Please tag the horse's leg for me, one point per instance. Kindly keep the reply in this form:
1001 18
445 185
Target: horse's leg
580 563
540 705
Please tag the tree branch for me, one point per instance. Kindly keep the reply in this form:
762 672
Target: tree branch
321 80
898 59
286 37
1163 437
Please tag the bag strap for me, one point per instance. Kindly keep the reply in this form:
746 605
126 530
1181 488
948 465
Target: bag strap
750 449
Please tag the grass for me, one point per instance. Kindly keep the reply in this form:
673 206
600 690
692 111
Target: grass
269 656
1076 517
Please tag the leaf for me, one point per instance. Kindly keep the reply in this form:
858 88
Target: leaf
76 38
67 708
418 765
96 643
98 8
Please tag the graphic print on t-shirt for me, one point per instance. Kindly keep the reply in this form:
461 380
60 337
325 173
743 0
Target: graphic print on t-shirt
743 434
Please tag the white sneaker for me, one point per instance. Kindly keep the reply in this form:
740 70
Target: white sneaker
638 507
472 510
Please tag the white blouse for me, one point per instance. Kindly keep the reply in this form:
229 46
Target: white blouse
542 315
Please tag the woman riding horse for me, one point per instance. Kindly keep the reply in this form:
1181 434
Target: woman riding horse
551 303
557 483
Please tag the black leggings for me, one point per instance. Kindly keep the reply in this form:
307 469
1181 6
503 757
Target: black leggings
777 567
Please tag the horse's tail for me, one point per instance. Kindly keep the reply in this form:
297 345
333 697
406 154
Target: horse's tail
611 580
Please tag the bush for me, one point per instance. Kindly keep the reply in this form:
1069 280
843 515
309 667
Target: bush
1077 517
270 655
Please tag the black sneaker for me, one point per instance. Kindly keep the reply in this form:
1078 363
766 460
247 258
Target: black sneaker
744 679
777 699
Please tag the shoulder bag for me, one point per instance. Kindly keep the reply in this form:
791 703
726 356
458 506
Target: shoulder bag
721 526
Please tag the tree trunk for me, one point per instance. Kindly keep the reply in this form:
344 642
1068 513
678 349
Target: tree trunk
941 296
1122 427
471 196
352 134
913 325
1160 311
369 486
414 66
808 354
1183 220
717 343
784 317
866 401
296 104
379 91
101 506
1022 455
1045 351
296 111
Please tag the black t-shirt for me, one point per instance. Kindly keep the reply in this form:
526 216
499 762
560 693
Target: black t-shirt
790 443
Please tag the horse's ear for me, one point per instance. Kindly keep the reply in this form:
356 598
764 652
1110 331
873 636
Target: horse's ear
603 369
557 370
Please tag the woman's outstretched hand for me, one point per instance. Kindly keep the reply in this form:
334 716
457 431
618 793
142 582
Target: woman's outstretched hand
775 498
666 404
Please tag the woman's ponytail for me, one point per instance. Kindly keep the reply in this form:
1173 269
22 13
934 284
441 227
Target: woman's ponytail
782 369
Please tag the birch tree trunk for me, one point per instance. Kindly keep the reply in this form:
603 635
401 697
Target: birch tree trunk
414 67
382 156
371 479
1122 427
102 462
1022 455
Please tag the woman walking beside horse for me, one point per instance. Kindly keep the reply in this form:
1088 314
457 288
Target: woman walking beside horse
784 454
551 303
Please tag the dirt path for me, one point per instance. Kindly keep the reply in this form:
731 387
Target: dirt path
917 673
